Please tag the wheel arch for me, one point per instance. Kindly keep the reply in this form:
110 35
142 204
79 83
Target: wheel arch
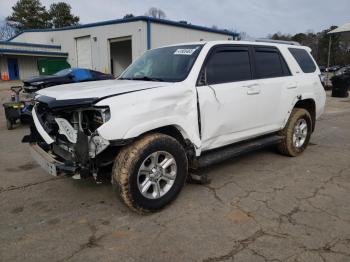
170 130
180 135
308 104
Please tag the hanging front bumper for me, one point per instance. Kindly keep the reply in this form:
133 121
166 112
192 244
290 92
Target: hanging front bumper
48 162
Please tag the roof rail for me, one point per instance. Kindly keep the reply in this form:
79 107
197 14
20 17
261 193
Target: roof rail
277 41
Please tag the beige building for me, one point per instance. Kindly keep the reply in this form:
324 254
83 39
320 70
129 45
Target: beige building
110 46
18 60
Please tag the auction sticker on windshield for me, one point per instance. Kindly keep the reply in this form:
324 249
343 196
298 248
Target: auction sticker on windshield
185 51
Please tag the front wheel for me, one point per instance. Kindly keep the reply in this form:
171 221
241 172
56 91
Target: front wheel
150 173
296 133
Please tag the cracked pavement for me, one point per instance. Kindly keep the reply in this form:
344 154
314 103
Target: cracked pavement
258 207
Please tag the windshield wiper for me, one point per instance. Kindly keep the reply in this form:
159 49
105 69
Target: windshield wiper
147 78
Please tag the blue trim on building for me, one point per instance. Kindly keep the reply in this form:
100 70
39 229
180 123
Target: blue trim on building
148 34
26 52
133 19
29 44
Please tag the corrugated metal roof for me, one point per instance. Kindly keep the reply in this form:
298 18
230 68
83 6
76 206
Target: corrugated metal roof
32 53
341 29
12 43
134 19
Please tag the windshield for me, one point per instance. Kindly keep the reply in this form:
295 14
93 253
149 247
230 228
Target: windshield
170 64
63 72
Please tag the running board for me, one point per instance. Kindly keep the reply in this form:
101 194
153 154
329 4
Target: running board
218 155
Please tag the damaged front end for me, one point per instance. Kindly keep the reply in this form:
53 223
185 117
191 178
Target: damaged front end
65 138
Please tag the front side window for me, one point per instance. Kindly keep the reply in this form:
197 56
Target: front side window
304 60
269 63
170 64
228 65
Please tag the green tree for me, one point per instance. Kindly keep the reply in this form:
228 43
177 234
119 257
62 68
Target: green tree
60 15
128 16
28 14
319 44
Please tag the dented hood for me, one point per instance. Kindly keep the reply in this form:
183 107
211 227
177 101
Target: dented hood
98 89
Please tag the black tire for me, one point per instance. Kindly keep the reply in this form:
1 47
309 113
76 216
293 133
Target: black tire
129 160
287 147
9 124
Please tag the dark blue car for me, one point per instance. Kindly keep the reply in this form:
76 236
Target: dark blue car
65 76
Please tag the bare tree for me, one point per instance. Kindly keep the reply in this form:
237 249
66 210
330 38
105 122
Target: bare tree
6 31
243 36
156 13
128 16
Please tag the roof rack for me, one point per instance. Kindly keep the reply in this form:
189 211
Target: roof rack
277 41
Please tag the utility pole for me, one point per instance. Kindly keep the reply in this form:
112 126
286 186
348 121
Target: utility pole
329 50
329 58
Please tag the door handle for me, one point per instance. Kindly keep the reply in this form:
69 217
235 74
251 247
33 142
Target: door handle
292 86
253 91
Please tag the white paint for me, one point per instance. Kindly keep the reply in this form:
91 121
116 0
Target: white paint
230 112
40 129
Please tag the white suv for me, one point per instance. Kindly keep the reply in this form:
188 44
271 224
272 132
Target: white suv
178 108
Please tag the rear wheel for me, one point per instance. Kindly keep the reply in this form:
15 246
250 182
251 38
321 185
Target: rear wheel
296 133
9 124
150 173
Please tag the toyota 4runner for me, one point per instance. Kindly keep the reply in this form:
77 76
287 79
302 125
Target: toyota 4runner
175 109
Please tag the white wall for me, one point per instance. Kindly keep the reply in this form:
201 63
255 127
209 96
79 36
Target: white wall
162 35
46 38
100 50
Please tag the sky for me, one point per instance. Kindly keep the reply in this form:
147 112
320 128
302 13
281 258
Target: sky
257 18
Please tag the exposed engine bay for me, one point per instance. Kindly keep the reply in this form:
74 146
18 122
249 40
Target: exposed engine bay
70 134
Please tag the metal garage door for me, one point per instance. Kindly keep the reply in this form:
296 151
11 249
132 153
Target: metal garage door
83 45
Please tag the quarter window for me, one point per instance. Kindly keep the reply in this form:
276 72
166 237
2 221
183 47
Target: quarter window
304 60
269 63
228 66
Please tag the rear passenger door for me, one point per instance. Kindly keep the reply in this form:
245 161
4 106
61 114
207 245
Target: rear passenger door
277 87
228 97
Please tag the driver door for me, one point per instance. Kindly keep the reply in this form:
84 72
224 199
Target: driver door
228 97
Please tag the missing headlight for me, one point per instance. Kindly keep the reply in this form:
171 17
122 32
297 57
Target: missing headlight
102 115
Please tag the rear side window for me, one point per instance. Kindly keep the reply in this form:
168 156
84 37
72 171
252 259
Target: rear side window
304 60
228 65
269 63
